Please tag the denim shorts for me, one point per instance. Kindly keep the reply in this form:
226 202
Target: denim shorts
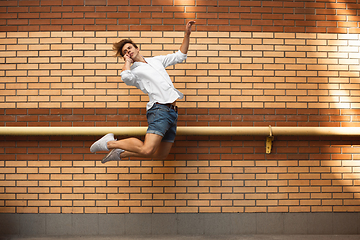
162 121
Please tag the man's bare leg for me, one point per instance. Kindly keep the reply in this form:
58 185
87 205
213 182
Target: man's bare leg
161 153
134 147
116 154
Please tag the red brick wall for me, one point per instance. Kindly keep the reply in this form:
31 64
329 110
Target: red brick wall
328 16
250 63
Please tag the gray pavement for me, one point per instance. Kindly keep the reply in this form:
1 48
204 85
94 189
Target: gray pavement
202 237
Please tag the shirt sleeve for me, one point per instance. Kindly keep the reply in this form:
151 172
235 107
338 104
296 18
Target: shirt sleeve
128 78
171 59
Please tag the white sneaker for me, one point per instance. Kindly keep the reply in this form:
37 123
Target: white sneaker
101 144
113 155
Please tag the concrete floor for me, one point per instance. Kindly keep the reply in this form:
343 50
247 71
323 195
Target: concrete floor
239 237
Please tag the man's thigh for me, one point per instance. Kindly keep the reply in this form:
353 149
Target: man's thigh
152 141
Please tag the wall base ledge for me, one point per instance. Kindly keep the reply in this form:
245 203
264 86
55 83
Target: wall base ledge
179 224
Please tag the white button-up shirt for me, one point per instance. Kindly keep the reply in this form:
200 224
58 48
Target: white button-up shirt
151 78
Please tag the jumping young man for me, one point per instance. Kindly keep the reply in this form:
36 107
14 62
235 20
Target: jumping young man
150 76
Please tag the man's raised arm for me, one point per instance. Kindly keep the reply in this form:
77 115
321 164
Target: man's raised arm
186 41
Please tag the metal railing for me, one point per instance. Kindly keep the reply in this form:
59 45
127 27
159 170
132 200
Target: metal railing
270 131
194 131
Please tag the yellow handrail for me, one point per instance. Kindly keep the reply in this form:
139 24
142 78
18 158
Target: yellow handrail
189 131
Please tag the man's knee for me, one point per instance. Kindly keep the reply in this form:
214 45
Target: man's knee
148 152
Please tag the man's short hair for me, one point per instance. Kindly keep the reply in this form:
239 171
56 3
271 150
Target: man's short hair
119 46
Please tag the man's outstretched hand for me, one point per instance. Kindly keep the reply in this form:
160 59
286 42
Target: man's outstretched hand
188 27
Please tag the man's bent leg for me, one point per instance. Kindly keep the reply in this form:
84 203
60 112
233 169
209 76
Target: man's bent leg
137 148
161 153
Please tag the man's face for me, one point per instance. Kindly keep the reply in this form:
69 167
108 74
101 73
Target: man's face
130 51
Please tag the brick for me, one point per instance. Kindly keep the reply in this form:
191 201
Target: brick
291 75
